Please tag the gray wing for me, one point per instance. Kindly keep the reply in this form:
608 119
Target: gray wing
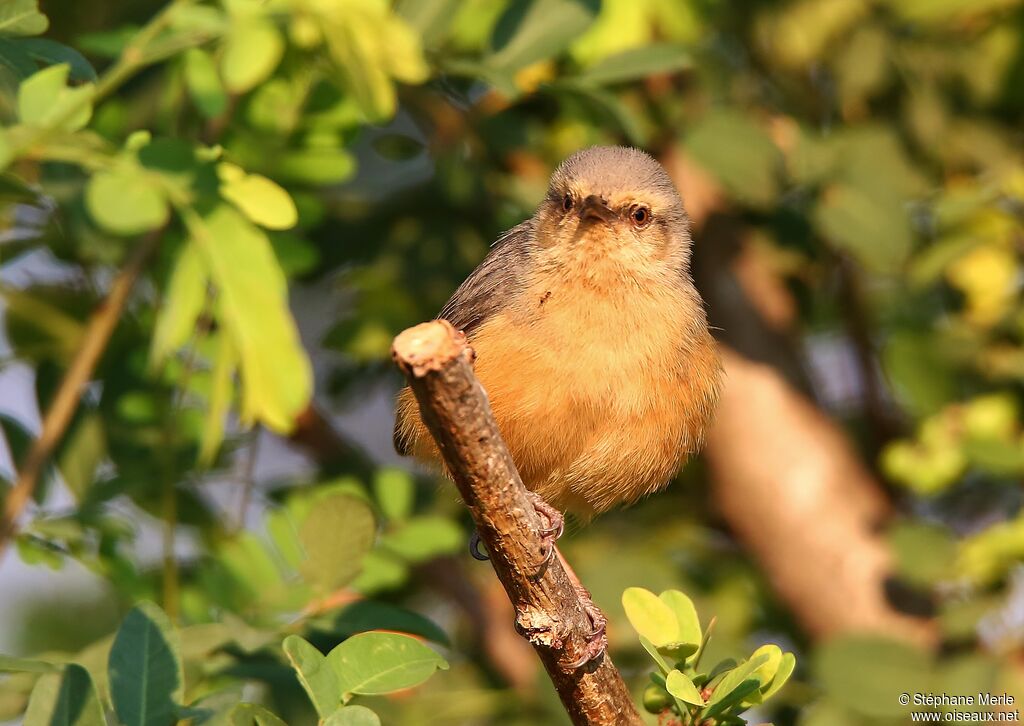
490 287
487 291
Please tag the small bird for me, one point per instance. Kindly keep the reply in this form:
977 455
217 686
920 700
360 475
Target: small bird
591 340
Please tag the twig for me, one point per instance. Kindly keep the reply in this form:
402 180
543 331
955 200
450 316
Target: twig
438 365
65 402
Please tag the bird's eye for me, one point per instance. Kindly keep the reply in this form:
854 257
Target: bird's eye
641 216
567 202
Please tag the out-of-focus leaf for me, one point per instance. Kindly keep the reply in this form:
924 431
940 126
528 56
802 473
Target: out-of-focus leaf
376 663
924 554
253 304
867 674
874 228
146 678
81 452
679 685
365 615
430 18
395 491
765 673
739 153
67 699
220 400
22 17
251 53
252 714
126 201
314 673
48 52
44 99
203 83
423 538
371 45
9 664
182 304
258 198
336 534
919 370
353 716
637 63
316 166
651 616
531 30
381 571
798 33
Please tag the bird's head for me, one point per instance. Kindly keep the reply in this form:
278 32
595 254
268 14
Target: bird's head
618 201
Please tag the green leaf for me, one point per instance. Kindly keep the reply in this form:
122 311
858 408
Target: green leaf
686 615
10 664
534 30
203 83
868 673
45 100
22 17
679 685
353 716
258 198
67 699
314 673
430 18
251 53
765 673
146 677
656 655
81 452
870 224
182 303
219 401
737 677
336 534
739 153
650 616
252 714
318 166
395 491
786 667
253 304
637 63
48 52
365 615
125 201
424 538
376 663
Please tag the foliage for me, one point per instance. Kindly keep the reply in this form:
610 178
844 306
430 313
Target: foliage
670 632
306 178
144 681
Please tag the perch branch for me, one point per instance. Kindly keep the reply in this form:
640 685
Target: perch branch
65 402
438 365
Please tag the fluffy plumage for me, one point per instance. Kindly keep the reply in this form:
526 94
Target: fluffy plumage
591 340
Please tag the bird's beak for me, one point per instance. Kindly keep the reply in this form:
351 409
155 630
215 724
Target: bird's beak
594 208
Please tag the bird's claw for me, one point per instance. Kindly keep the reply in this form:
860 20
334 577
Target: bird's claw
596 640
551 529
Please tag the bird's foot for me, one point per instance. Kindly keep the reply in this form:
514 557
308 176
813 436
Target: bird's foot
552 526
596 639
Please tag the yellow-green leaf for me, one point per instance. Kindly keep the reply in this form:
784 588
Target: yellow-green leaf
276 373
251 53
259 199
651 617
182 304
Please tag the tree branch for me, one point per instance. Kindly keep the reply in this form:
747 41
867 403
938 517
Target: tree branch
65 402
438 365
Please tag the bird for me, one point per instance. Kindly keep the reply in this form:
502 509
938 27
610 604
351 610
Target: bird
591 341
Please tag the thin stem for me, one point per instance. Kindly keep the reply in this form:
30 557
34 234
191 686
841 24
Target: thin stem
65 402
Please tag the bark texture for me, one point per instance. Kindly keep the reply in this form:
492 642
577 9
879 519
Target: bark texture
437 362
